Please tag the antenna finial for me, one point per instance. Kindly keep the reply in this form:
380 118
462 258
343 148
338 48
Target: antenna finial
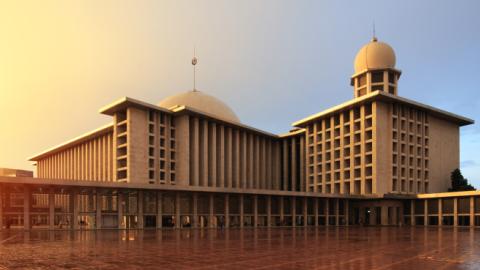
374 37
194 63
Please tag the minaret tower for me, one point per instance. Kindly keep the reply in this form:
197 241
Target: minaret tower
375 69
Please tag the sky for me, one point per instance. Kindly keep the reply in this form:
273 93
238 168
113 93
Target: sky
274 62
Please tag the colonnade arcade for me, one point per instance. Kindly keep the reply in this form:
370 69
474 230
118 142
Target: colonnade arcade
57 207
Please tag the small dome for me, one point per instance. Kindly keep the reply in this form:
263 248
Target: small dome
374 55
201 102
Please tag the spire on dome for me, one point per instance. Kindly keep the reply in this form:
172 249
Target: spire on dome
194 63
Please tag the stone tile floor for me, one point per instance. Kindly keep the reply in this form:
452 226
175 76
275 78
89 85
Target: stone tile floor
277 248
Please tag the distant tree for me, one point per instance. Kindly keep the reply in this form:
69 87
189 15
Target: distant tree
459 183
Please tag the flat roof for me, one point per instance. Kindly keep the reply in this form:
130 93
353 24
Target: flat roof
75 141
122 185
292 133
383 96
126 102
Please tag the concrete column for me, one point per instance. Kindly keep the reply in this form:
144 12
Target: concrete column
120 202
140 218
195 153
440 212
227 211
51 209
472 211
241 211
159 210
91 201
395 215
282 215
305 211
204 160
221 157
384 215
425 212
1 208
316 211
255 210
347 212
98 210
412 212
74 205
213 156
195 210
177 211
269 211
362 215
455 212
337 212
293 211
373 216
26 207
211 210
325 207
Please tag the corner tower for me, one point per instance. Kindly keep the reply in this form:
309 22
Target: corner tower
375 69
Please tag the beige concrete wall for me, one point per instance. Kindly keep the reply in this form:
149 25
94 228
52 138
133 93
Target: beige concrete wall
382 139
444 153
183 149
91 160
137 140
215 154
338 155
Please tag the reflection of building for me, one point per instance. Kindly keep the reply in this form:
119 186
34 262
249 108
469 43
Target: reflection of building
191 159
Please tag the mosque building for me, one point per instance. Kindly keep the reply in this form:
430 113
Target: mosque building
189 161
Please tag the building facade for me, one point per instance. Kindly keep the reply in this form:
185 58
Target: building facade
190 162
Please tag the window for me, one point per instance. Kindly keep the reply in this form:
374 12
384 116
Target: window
391 77
391 90
151 115
368 109
362 80
377 77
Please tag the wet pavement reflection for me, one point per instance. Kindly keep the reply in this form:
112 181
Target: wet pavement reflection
277 248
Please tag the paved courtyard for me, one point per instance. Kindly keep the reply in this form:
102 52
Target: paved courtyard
278 248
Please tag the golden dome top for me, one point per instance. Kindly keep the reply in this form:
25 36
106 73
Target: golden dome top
201 102
374 55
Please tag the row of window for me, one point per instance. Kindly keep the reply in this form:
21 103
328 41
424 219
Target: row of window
121 145
410 149
340 148
164 164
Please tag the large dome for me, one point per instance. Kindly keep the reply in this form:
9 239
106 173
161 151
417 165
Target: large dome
201 102
374 55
